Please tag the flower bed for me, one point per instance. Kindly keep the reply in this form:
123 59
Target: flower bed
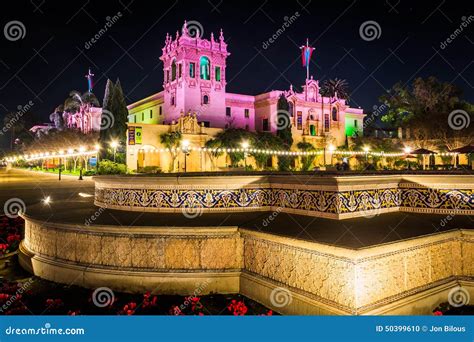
39 297
11 233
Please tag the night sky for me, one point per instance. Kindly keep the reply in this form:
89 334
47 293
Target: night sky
51 59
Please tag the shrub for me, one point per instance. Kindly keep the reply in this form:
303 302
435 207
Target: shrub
150 169
108 167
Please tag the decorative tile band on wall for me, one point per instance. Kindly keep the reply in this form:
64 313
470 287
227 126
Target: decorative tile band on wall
341 201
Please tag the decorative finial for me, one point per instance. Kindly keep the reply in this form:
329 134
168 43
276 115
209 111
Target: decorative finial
221 37
185 28
212 36
177 34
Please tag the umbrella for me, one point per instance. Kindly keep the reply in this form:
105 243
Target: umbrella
464 150
468 149
422 151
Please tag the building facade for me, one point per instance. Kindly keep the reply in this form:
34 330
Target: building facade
194 74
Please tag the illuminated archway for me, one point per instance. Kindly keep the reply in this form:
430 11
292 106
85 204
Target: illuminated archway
205 68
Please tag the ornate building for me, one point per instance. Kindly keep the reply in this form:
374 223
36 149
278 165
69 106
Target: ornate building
194 71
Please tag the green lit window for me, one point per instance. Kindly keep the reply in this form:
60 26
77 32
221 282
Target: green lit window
218 74
151 114
192 70
355 123
312 130
143 116
205 68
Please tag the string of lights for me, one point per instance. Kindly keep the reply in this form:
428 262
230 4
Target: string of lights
81 151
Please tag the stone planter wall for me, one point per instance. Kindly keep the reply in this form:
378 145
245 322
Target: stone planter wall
318 278
332 197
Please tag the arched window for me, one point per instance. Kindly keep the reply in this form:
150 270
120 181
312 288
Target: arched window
205 99
334 114
173 70
326 122
205 68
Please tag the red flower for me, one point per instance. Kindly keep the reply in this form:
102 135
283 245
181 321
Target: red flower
437 313
175 310
13 238
237 308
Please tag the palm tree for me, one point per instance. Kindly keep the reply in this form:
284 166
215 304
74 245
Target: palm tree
75 101
171 141
333 87
13 122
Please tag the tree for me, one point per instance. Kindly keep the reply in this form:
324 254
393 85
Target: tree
233 138
424 108
119 110
171 141
333 87
114 118
105 136
265 141
212 146
75 101
306 161
284 131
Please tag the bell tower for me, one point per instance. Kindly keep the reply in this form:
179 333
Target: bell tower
195 77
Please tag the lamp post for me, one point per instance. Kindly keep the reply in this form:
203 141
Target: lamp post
60 163
114 144
97 149
366 150
245 146
407 151
81 150
331 149
185 148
